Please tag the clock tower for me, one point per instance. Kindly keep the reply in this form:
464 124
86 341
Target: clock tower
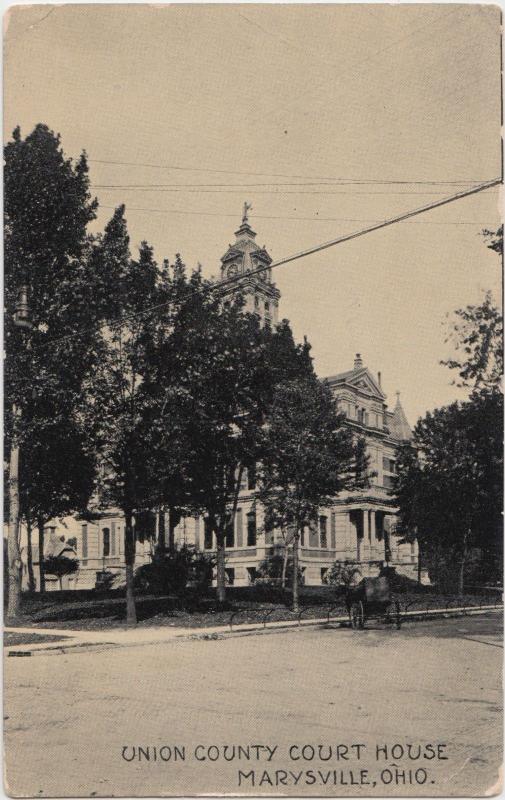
243 258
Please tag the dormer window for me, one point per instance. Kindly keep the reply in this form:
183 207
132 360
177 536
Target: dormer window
267 307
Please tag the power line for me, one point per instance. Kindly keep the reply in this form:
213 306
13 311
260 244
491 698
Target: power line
326 182
275 174
287 218
400 218
220 285
241 190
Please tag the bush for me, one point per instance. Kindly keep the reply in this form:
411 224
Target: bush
270 571
343 574
185 568
60 566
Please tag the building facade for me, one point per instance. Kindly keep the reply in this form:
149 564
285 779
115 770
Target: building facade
358 526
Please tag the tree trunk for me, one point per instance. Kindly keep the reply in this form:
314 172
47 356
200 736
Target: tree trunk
174 517
42 576
14 554
29 556
461 571
129 550
160 542
296 596
285 557
387 547
220 565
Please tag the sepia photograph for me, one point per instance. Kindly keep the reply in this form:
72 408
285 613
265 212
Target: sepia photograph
253 400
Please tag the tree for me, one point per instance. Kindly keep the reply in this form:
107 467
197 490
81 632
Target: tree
210 392
60 566
494 239
449 487
57 472
309 456
477 336
114 393
47 209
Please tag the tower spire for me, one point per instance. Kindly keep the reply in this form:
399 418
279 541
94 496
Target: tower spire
245 215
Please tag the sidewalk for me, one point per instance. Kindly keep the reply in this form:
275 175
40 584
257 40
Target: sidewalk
133 637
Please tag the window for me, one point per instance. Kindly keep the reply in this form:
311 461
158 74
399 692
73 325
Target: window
251 477
267 307
333 530
251 574
361 415
197 533
238 519
389 481
230 576
323 532
230 533
207 537
324 574
313 533
269 532
256 302
84 534
388 464
106 542
251 529
302 537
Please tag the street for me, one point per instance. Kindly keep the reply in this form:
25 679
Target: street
316 711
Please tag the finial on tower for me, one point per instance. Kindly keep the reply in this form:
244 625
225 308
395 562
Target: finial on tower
358 361
245 215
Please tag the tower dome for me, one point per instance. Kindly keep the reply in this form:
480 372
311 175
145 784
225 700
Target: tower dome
245 258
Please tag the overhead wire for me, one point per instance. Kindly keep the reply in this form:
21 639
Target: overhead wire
277 174
261 191
316 218
235 279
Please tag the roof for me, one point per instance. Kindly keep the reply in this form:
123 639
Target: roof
359 378
340 376
398 423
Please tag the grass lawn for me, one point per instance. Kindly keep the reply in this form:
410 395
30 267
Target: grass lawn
89 610
11 638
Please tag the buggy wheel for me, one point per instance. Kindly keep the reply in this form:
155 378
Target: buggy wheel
357 615
398 616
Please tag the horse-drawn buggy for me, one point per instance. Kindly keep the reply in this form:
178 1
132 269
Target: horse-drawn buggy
372 597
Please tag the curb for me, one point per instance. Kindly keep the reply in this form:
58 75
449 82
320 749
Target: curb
253 630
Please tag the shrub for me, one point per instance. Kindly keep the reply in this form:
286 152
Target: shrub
343 574
176 571
60 566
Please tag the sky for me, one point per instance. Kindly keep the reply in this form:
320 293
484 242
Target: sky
324 118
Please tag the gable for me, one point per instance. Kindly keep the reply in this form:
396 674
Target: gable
364 381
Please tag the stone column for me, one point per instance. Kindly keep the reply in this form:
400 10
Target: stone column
373 537
365 546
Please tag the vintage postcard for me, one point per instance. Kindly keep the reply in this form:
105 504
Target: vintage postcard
253 414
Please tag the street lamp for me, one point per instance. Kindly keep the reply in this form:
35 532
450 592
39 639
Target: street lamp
21 321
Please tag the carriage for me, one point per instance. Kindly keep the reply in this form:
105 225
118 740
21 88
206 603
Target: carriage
372 598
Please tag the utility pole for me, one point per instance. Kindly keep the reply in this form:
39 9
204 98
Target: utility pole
21 321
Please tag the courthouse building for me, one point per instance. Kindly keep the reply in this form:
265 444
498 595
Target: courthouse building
357 527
